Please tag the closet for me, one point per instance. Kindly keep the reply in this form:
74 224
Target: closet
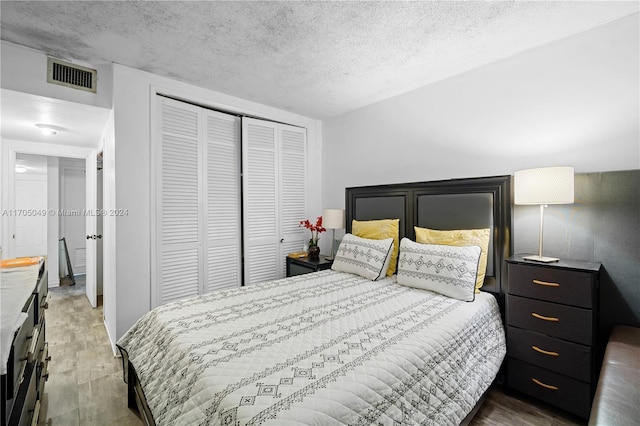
274 159
228 193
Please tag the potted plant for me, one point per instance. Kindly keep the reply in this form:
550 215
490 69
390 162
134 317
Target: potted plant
314 249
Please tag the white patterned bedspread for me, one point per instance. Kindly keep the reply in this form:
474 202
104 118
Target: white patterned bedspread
326 348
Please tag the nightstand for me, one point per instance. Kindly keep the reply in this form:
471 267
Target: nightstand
552 319
304 265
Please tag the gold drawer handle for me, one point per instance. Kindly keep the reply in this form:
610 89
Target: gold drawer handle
544 385
546 283
32 347
542 317
36 413
542 351
45 302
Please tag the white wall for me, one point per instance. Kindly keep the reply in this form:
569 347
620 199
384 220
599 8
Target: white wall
109 231
25 70
133 94
31 194
53 225
571 102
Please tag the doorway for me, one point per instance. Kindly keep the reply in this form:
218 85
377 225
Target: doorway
55 186
11 151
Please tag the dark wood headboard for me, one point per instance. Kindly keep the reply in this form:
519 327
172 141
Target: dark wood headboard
445 205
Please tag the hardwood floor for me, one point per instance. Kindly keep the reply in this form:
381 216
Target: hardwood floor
501 408
85 385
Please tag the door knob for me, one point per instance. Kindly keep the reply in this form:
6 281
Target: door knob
94 237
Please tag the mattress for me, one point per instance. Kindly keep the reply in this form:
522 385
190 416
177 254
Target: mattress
326 348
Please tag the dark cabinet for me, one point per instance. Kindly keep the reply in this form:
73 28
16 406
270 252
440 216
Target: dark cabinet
304 265
22 387
552 317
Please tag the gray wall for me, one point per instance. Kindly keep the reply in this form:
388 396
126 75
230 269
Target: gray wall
574 102
602 225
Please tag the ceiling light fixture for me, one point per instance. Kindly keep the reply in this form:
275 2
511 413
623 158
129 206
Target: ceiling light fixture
48 129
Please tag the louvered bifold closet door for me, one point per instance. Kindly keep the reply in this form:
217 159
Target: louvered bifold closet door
293 145
179 220
260 200
223 251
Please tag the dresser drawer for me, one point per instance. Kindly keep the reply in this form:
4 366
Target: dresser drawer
296 269
26 404
565 322
570 359
42 369
19 354
42 292
561 391
551 284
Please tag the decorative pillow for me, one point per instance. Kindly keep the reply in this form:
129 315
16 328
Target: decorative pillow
448 270
380 230
460 237
365 257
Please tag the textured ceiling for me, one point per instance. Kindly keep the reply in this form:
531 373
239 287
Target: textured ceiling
319 59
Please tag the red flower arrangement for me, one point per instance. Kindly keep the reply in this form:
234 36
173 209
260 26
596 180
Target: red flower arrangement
315 230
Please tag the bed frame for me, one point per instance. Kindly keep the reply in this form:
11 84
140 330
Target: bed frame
445 205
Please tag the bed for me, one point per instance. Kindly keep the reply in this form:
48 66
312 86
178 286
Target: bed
334 347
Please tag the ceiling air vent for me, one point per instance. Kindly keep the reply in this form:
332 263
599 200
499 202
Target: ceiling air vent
71 75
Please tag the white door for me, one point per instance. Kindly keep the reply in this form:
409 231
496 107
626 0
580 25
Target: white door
73 203
274 199
178 185
293 154
260 201
223 255
196 245
99 249
90 222
31 226
78 221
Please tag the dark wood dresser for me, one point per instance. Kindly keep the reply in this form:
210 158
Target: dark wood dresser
552 320
22 386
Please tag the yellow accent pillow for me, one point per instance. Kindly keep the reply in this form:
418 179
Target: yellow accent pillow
460 237
380 230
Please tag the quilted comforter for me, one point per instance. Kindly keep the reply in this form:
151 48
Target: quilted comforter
326 348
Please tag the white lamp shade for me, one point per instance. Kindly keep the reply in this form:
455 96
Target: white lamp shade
333 218
548 185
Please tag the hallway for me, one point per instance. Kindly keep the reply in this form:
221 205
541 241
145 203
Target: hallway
85 385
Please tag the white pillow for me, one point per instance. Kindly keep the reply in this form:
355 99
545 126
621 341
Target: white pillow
448 270
364 257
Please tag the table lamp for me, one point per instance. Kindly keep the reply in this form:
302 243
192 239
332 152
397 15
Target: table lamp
333 219
543 186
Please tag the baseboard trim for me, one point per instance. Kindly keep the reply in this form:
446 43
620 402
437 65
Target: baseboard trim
114 349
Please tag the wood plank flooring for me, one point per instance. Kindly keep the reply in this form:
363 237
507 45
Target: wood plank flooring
85 385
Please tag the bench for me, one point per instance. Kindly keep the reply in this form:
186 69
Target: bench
617 398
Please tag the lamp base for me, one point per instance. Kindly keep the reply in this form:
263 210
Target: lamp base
543 259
